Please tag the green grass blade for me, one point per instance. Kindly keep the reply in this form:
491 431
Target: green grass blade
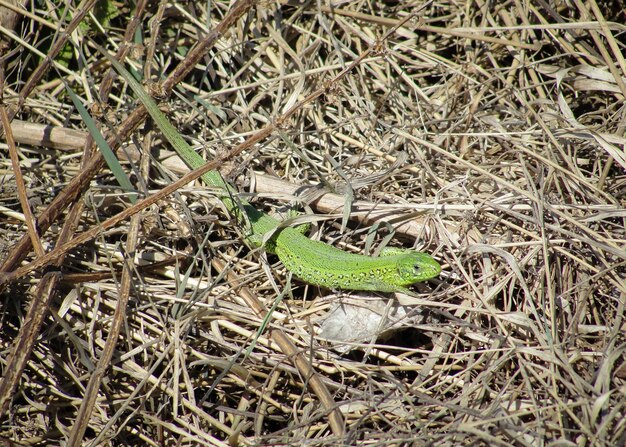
107 153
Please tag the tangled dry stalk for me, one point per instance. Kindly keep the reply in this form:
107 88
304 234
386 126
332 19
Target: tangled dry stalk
506 124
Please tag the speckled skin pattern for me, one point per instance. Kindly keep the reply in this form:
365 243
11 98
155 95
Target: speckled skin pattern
324 265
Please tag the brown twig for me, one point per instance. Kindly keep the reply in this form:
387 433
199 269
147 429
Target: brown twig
307 371
19 180
56 47
79 183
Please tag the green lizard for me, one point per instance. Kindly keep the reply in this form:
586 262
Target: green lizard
312 261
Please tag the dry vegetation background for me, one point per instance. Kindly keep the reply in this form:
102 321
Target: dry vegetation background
492 135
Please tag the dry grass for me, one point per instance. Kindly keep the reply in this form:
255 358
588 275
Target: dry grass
511 118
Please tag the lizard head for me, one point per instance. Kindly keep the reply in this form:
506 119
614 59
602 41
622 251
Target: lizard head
415 267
